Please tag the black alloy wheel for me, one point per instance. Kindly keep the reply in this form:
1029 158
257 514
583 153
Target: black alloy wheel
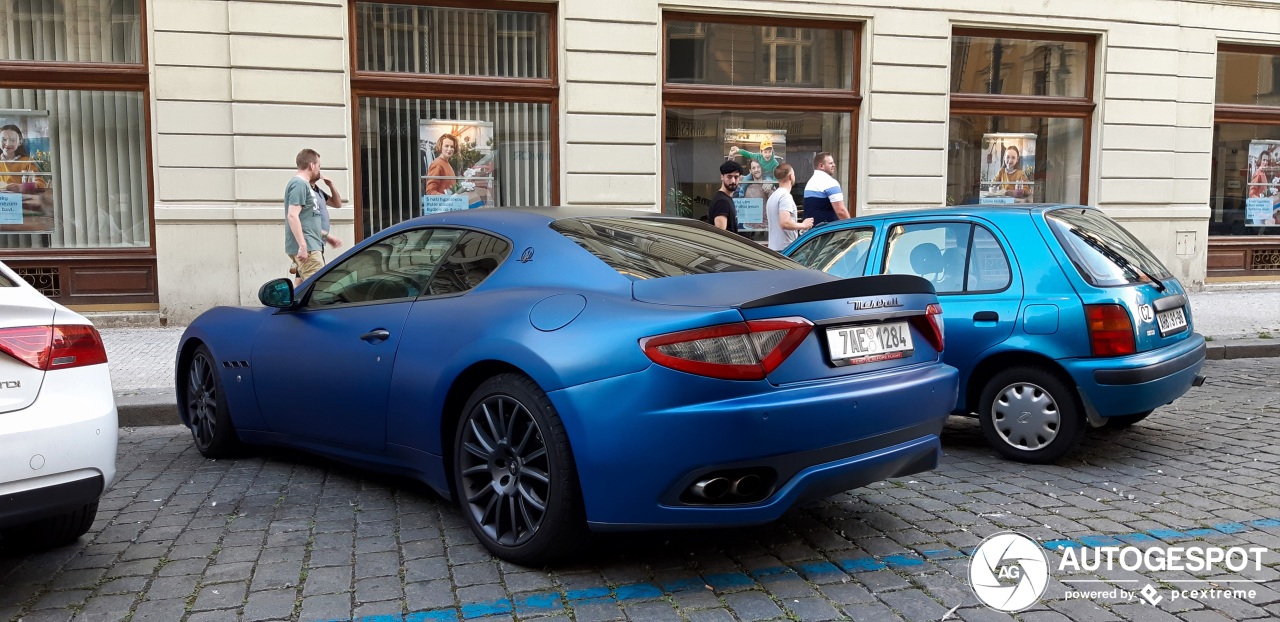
206 408
514 473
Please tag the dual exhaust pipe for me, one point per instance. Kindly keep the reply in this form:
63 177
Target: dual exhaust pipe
717 488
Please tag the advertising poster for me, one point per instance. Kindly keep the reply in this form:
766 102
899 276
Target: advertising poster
459 160
1008 168
758 152
26 172
1262 202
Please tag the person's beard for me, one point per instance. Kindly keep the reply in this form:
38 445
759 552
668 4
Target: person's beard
731 187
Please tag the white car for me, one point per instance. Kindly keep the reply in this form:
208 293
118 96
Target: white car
58 424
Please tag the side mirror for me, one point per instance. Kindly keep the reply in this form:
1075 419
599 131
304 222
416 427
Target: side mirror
277 293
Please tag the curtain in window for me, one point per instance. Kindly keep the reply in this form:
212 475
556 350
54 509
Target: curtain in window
464 42
70 31
393 160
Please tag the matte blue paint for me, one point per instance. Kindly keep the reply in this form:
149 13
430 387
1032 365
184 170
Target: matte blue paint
728 580
638 591
1167 534
572 324
902 560
1043 278
594 592
862 564
480 610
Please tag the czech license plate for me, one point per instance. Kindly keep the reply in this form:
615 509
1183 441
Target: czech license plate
1171 321
852 345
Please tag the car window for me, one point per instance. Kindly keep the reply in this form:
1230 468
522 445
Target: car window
1103 252
842 253
652 248
988 264
936 251
472 260
397 267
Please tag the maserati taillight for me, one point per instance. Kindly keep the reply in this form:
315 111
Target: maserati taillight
1110 330
738 351
54 347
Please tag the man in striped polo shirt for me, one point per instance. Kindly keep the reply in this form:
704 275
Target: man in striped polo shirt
823 200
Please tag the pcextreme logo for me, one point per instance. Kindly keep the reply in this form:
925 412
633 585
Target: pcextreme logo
1009 572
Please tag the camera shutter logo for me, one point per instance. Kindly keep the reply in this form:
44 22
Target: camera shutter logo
1009 572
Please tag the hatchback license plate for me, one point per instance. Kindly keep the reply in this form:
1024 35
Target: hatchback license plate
1171 321
852 345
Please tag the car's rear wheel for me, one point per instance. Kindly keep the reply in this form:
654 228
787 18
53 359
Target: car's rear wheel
1123 421
52 531
205 406
1029 414
514 473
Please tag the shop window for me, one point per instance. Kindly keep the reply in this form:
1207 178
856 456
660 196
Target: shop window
73 143
1245 183
1021 112
777 92
474 127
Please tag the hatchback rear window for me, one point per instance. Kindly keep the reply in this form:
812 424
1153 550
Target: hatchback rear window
1103 252
652 248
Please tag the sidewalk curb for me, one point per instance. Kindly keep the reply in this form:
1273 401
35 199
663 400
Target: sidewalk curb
147 409
160 406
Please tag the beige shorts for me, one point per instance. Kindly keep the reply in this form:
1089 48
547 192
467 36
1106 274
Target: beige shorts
315 261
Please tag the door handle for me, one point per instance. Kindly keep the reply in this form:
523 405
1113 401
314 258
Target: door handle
377 335
986 316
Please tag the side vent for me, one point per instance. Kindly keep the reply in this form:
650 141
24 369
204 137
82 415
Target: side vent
235 364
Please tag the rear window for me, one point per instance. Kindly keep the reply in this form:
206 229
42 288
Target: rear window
6 282
652 248
1103 252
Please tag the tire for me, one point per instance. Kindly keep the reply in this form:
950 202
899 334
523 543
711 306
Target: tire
514 473
1029 414
52 531
205 405
1123 421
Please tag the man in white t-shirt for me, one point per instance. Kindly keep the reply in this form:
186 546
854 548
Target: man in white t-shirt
781 210
823 199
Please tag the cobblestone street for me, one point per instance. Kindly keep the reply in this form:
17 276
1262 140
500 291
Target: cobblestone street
285 536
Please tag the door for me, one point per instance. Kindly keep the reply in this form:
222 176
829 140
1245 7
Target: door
974 278
323 371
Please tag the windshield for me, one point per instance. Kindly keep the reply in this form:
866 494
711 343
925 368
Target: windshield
652 248
1103 252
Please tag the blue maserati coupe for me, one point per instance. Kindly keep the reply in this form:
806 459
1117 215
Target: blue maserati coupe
557 371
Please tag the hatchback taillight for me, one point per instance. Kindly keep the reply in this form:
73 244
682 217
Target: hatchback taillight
1110 330
930 324
54 347
739 351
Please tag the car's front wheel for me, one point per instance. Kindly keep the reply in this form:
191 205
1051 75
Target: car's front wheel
514 473
205 406
1029 414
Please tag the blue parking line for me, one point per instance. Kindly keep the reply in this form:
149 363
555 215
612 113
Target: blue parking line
732 581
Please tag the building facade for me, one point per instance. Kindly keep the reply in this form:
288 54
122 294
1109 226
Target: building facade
152 139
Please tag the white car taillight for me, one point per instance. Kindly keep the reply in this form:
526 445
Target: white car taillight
739 351
54 347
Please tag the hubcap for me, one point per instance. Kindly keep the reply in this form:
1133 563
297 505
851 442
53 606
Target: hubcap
1025 416
505 471
202 400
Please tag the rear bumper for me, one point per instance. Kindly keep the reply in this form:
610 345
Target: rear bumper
640 440
64 443
1141 382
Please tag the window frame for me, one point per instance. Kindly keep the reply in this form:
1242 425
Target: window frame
973 225
94 76
434 86
1246 114
768 98
1036 106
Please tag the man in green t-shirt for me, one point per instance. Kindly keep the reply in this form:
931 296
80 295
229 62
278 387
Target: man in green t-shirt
303 237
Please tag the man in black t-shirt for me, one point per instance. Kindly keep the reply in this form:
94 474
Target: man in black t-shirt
723 214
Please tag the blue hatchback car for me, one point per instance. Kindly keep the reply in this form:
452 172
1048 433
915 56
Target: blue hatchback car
556 370
1056 316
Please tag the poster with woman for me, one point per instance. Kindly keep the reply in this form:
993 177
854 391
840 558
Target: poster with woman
26 172
1008 168
758 152
459 161
1262 198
